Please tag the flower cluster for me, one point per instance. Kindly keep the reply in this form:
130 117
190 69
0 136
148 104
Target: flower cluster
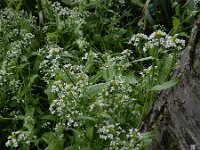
19 137
119 138
58 83
119 62
57 107
157 39
116 99
69 18
51 62
70 94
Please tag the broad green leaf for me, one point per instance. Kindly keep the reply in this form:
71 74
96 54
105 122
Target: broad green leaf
138 2
104 115
20 117
32 79
36 65
96 77
109 73
30 110
176 22
55 145
75 147
86 118
67 2
25 24
90 61
89 133
129 79
166 68
165 85
48 117
51 96
28 123
54 142
149 17
60 24
71 77
48 136
93 90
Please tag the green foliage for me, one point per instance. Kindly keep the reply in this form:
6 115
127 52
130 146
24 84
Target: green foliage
71 76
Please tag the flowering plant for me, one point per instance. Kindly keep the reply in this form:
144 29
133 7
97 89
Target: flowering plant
64 88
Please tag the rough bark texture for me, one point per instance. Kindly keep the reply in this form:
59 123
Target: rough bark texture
175 116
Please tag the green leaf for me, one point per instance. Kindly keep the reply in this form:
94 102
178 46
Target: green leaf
96 88
32 79
67 2
20 117
97 76
165 85
109 73
30 110
149 17
89 133
166 69
143 59
129 79
54 142
48 136
104 115
51 96
176 22
138 2
48 117
86 118
90 61
60 24
71 77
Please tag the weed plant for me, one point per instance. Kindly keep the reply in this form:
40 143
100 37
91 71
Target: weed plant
76 77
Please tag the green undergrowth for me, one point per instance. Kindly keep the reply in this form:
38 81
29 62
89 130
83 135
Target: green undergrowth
73 75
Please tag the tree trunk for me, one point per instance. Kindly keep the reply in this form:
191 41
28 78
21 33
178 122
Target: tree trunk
175 116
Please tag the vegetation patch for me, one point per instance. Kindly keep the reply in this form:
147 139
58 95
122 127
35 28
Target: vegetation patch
73 74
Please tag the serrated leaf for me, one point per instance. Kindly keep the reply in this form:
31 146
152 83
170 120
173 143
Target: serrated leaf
165 85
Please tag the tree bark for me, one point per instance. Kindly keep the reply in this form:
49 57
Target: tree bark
175 116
